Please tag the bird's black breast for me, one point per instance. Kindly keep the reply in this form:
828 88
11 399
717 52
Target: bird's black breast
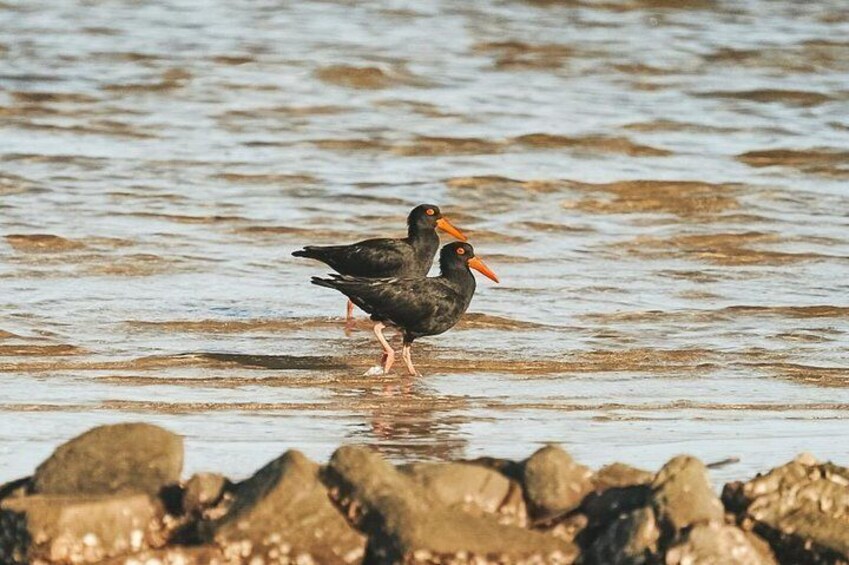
419 307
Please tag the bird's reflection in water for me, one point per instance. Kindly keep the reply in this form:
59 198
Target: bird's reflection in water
406 420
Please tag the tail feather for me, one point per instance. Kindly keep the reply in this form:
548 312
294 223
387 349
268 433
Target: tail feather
336 281
349 286
329 283
310 252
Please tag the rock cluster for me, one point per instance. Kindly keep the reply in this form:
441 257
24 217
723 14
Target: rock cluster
114 495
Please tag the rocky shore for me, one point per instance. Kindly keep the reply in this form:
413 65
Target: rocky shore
115 495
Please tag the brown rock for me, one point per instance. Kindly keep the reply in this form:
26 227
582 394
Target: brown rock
471 487
779 479
567 528
176 555
202 491
407 524
719 544
18 487
630 539
65 529
284 512
618 475
683 495
121 458
801 508
507 467
733 498
554 482
620 490
603 508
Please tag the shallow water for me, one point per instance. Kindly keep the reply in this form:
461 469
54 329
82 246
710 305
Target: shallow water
660 185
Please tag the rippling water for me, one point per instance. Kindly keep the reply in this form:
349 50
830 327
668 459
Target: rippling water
660 184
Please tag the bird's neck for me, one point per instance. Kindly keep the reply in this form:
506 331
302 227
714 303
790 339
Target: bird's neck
423 239
461 278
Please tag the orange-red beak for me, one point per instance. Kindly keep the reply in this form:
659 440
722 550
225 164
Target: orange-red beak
445 225
478 265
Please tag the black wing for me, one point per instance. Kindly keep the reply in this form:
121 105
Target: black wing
382 257
421 305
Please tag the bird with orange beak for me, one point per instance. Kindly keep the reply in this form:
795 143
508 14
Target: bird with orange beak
418 307
409 257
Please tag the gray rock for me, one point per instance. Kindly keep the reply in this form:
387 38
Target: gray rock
683 495
631 539
78 529
121 458
554 483
284 512
719 544
405 523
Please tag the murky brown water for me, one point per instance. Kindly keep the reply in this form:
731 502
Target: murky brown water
661 185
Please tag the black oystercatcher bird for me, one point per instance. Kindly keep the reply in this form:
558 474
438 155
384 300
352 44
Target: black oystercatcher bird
416 306
411 256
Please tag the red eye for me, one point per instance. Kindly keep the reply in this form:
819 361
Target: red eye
461 251
430 211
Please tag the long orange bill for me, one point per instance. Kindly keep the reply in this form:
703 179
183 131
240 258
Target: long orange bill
478 265
445 225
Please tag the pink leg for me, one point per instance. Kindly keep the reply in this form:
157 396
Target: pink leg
388 353
408 359
349 315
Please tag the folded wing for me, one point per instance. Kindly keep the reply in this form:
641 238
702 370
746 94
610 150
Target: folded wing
404 302
370 258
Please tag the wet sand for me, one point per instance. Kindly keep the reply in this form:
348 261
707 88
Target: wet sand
660 186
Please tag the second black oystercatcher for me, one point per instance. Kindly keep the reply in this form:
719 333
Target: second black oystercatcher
416 306
384 257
